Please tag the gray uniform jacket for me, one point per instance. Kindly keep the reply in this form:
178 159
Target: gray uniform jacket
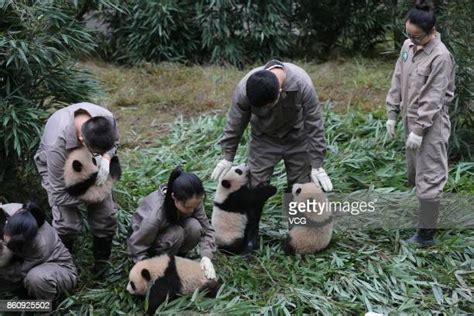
150 219
59 138
298 108
422 83
45 248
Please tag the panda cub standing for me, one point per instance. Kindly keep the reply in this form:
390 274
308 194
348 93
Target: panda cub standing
237 211
316 234
80 175
168 276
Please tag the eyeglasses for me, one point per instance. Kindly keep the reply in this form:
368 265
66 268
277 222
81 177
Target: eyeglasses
415 37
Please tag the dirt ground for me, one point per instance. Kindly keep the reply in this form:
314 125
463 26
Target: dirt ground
147 98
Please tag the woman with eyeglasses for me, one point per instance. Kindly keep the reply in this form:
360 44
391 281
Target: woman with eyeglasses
422 87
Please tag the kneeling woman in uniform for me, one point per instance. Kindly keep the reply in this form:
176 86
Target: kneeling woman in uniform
172 220
37 259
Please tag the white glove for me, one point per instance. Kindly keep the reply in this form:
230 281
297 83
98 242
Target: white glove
390 128
208 268
104 169
320 177
413 141
221 169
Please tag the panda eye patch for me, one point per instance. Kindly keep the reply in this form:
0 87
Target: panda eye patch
133 285
238 171
94 161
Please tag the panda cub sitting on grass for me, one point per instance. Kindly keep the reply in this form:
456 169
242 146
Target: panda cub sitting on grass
316 234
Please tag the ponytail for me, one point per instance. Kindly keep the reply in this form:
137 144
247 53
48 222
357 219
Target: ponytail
184 185
170 209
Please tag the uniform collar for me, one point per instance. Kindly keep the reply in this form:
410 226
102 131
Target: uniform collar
428 48
290 83
71 135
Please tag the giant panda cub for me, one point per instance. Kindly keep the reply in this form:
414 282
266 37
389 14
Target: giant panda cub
80 174
316 234
237 210
168 276
5 253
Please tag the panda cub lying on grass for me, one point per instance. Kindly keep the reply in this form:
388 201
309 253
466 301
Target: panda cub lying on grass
80 175
168 276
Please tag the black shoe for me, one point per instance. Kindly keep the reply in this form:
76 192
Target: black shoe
422 238
102 248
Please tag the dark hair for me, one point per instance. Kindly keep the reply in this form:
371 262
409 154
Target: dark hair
184 185
99 133
422 15
22 226
262 88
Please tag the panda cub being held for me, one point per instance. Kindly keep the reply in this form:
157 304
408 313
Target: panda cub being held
168 276
80 175
237 211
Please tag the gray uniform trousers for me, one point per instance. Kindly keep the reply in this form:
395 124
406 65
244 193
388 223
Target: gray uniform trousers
428 166
178 239
265 152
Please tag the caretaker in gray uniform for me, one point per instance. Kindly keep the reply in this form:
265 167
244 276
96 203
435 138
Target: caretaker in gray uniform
81 124
280 102
153 234
44 267
422 87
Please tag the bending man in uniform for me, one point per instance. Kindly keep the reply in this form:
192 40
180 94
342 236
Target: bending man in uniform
280 102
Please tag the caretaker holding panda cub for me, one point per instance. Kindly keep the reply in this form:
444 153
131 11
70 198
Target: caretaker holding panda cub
422 87
172 220
92 126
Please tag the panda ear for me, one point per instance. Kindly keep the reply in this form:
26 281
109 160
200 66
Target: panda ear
77 166
225 183
146 274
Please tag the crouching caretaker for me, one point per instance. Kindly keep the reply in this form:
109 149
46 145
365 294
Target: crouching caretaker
81 124
31 254
172 220
422 87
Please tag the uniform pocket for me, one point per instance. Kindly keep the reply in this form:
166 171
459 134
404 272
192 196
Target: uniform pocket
422 74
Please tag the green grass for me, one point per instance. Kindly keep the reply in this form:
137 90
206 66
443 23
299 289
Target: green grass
361 270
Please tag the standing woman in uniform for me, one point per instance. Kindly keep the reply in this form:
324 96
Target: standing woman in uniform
172 220
422 87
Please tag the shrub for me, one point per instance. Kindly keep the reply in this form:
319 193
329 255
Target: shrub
38 41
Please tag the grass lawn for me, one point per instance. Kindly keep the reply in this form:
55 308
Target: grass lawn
362 270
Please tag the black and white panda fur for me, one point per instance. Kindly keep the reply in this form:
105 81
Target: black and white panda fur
316 234
80 175
237 210
168 276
